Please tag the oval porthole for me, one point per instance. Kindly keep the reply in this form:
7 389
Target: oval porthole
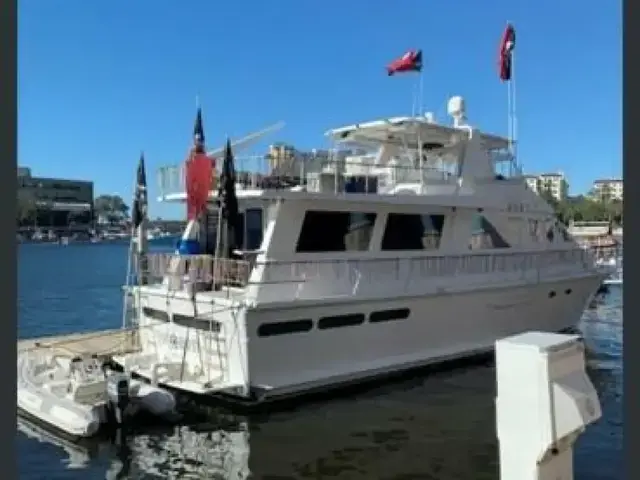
568 291
552 294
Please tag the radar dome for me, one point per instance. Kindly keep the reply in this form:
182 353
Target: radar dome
456 107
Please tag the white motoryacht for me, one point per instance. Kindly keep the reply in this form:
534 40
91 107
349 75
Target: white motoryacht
424 246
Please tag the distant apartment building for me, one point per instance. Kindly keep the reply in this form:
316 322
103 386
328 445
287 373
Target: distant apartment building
280 155
54 202
285 159
554 183
532 182
607 189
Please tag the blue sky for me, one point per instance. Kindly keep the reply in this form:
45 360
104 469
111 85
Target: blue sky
100 81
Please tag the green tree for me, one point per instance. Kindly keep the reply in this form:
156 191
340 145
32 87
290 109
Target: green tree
111 207
585 209
27 211
616 211
548 197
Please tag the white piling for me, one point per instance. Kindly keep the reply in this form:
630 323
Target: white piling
545 400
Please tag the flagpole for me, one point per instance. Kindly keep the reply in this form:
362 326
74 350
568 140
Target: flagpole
509 130
421 93
127 287
414 94
514 117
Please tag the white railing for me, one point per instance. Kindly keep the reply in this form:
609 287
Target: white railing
261 172
469 264
171 178
290 280
181 270
371 278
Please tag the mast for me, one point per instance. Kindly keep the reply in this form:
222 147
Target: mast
137 254
139 222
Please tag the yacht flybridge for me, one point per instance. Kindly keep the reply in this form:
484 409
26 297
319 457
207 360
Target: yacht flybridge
421 244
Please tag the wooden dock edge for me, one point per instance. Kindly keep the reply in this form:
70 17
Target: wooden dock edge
100 342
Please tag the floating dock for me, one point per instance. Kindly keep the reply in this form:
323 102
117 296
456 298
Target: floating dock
101 342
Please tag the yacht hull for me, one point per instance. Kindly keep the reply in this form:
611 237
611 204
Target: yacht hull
439 328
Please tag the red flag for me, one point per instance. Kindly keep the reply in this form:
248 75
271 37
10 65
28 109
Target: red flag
409 62
507 44
199 170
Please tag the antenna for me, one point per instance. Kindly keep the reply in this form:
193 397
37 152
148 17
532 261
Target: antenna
248 140
456 108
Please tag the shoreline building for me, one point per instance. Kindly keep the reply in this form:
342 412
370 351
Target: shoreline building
606 189
554 183
53 202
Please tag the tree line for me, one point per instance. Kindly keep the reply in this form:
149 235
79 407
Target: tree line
585 209
111 208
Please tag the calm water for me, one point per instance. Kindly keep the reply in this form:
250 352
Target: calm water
440 426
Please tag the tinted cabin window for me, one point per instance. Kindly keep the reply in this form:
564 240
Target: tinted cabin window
485 236
253 229
199 324
324 231
155 314
389 315
412 232
361 184
209 225
284 328
240 237
341 321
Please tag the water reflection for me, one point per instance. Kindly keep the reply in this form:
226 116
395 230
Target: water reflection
440 426
188 453
77 456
